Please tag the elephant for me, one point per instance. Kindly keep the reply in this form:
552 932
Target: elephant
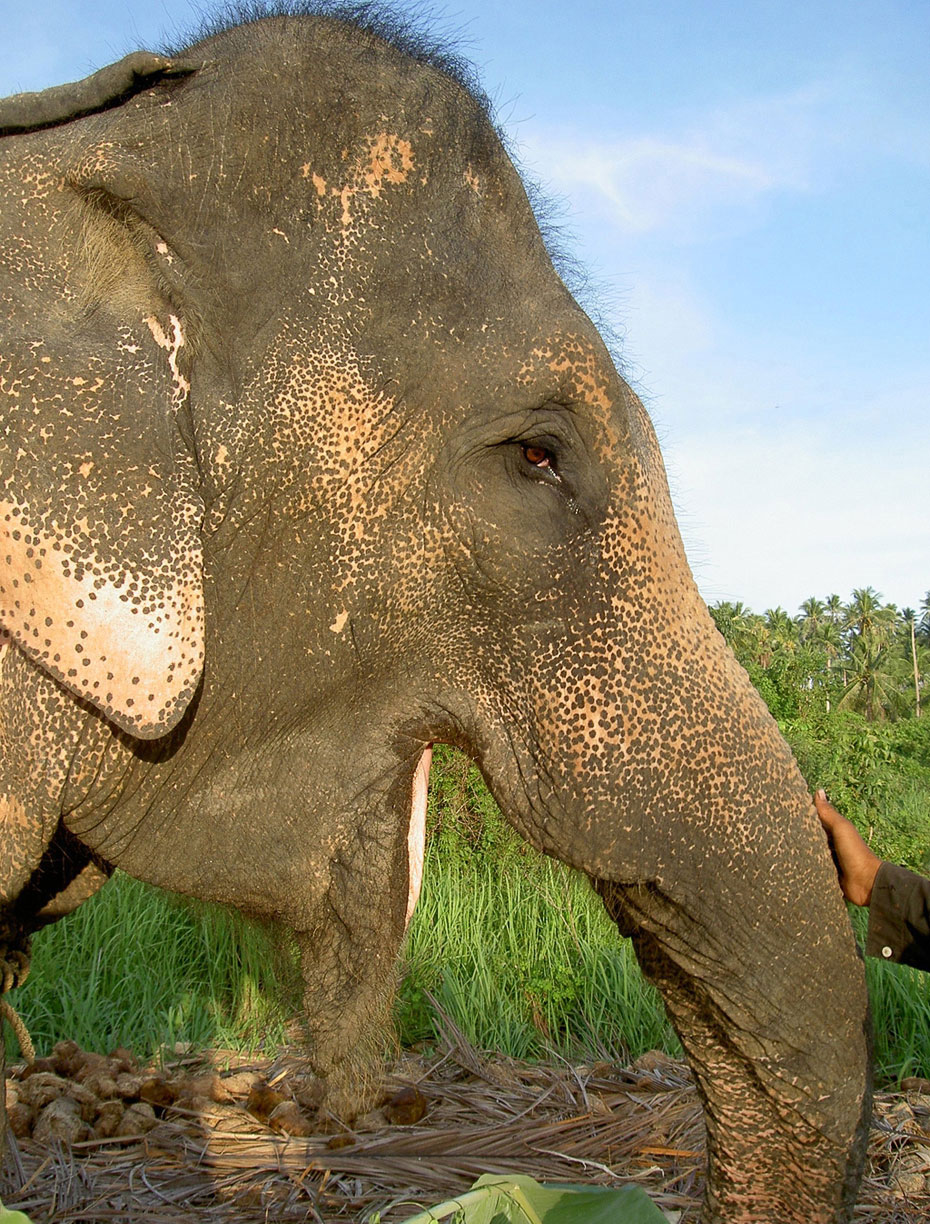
310 460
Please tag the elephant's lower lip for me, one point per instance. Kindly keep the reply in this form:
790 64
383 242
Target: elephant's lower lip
416 835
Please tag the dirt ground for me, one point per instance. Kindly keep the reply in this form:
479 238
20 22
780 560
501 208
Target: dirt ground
221 1138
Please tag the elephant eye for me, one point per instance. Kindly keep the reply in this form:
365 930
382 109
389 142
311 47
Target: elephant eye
543 461
538 457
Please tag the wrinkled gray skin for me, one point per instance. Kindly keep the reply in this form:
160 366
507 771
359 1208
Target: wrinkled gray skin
309 460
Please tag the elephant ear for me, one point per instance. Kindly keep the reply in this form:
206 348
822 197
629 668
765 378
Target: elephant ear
101 575
30 112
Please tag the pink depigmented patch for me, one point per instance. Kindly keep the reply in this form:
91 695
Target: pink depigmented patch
132 648
386 159
172 345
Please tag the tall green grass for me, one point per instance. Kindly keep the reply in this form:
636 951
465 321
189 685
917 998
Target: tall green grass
516 949
519 952
135 967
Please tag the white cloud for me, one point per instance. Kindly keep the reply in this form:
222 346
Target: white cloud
645 183
729 158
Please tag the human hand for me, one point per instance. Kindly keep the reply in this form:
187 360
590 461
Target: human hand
856 865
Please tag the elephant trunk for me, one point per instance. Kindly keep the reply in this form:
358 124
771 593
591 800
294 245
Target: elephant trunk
671 787
722 877
784 1081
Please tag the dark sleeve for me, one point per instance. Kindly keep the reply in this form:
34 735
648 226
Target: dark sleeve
899 917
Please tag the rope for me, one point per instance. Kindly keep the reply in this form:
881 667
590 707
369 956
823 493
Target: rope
14 969
15 1021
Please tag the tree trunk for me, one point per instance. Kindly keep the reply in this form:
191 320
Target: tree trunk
916 673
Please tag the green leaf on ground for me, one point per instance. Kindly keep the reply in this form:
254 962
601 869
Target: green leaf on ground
13 1217
522 1200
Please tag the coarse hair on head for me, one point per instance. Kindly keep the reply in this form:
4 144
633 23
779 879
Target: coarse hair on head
413 31
418 31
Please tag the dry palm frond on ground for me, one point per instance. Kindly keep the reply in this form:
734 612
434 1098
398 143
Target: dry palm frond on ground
219 1139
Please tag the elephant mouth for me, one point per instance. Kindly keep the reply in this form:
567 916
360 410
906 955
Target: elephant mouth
416 833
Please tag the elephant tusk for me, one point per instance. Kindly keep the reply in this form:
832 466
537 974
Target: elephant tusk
416 835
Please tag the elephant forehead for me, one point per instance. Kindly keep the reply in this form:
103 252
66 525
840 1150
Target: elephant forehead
380 160
573 360
572 368
578 371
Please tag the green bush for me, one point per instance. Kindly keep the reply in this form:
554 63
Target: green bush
877 774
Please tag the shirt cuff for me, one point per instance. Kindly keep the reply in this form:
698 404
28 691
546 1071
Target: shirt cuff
890 933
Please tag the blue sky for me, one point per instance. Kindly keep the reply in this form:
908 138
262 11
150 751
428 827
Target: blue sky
749 183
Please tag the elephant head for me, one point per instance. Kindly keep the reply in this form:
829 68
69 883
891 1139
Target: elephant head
310 460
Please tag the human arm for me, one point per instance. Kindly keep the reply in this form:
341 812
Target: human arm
856 864
898 899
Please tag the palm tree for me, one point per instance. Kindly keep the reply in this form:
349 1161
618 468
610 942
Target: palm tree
757 642
833 608
923 628
819 630
781 627
870 626
870 686
909 617
729 618
813 618
867 617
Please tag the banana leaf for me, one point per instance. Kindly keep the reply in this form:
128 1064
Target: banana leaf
522 1200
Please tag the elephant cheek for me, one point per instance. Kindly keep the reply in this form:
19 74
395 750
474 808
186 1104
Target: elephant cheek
416 834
